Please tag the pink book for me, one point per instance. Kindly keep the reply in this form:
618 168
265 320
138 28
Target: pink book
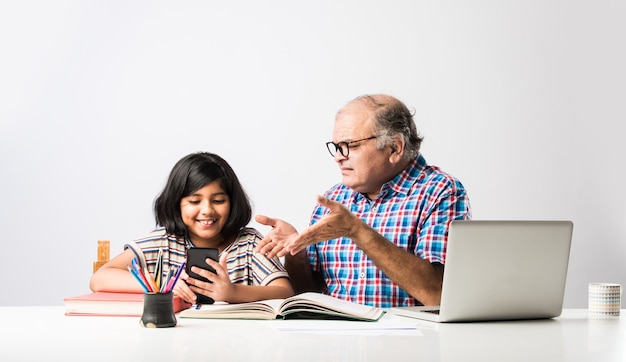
111 304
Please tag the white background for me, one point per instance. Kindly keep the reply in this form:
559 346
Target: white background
524 101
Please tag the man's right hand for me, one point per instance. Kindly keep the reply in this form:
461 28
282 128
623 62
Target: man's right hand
274 242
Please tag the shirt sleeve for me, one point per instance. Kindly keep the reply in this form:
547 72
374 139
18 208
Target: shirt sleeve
452 204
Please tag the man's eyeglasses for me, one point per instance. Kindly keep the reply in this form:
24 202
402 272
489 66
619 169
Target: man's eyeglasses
344 147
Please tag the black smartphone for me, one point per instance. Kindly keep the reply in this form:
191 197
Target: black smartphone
197 257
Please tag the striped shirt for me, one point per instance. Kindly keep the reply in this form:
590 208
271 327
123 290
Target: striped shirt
245 266
413 211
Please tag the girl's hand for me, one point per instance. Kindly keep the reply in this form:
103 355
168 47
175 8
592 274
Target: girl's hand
182 290
219 287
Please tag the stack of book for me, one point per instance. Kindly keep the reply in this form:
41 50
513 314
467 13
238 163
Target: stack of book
112 304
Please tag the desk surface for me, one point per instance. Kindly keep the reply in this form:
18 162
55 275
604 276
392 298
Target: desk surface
45 333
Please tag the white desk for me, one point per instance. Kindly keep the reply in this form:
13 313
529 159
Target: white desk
46 334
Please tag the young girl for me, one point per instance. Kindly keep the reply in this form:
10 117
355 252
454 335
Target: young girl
202 205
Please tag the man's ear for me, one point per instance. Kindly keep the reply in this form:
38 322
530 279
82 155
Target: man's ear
397 149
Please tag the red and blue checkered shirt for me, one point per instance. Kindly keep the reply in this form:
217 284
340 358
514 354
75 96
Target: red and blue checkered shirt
413 211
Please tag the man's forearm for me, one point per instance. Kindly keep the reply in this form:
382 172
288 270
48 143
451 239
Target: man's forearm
418 277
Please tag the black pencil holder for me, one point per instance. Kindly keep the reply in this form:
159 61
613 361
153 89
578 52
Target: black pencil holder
158 310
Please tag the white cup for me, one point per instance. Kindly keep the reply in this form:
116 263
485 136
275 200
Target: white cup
605 299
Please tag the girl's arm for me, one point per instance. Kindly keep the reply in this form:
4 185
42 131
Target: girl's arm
115 277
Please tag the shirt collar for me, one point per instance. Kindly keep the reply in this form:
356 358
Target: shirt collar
404 180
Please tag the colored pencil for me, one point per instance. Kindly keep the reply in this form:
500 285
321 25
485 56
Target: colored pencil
136 276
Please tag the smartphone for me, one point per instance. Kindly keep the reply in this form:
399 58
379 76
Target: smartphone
197 257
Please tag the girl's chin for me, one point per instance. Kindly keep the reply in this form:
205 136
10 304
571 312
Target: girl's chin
206 236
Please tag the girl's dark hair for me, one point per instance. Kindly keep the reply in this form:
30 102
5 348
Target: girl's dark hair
192 173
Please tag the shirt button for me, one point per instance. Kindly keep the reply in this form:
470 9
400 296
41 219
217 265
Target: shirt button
362 275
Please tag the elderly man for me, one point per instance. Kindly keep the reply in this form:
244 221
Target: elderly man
379 237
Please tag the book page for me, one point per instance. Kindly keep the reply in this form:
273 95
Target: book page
326 304
265 309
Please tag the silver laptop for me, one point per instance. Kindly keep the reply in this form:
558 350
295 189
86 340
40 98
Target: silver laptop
501 270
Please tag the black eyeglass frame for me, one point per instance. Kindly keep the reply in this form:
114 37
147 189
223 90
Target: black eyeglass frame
340 146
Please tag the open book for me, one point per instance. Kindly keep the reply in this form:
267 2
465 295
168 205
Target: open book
306 305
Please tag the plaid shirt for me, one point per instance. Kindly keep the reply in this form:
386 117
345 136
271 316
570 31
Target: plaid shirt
413 211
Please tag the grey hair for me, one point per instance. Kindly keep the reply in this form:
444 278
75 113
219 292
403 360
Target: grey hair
392 117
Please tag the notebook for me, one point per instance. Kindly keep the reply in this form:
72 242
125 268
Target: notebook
501 270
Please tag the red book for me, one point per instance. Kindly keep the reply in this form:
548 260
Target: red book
112 304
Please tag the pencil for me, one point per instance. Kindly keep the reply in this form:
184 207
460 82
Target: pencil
174 279
158 271
151 281
166 281
141 274
134 273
